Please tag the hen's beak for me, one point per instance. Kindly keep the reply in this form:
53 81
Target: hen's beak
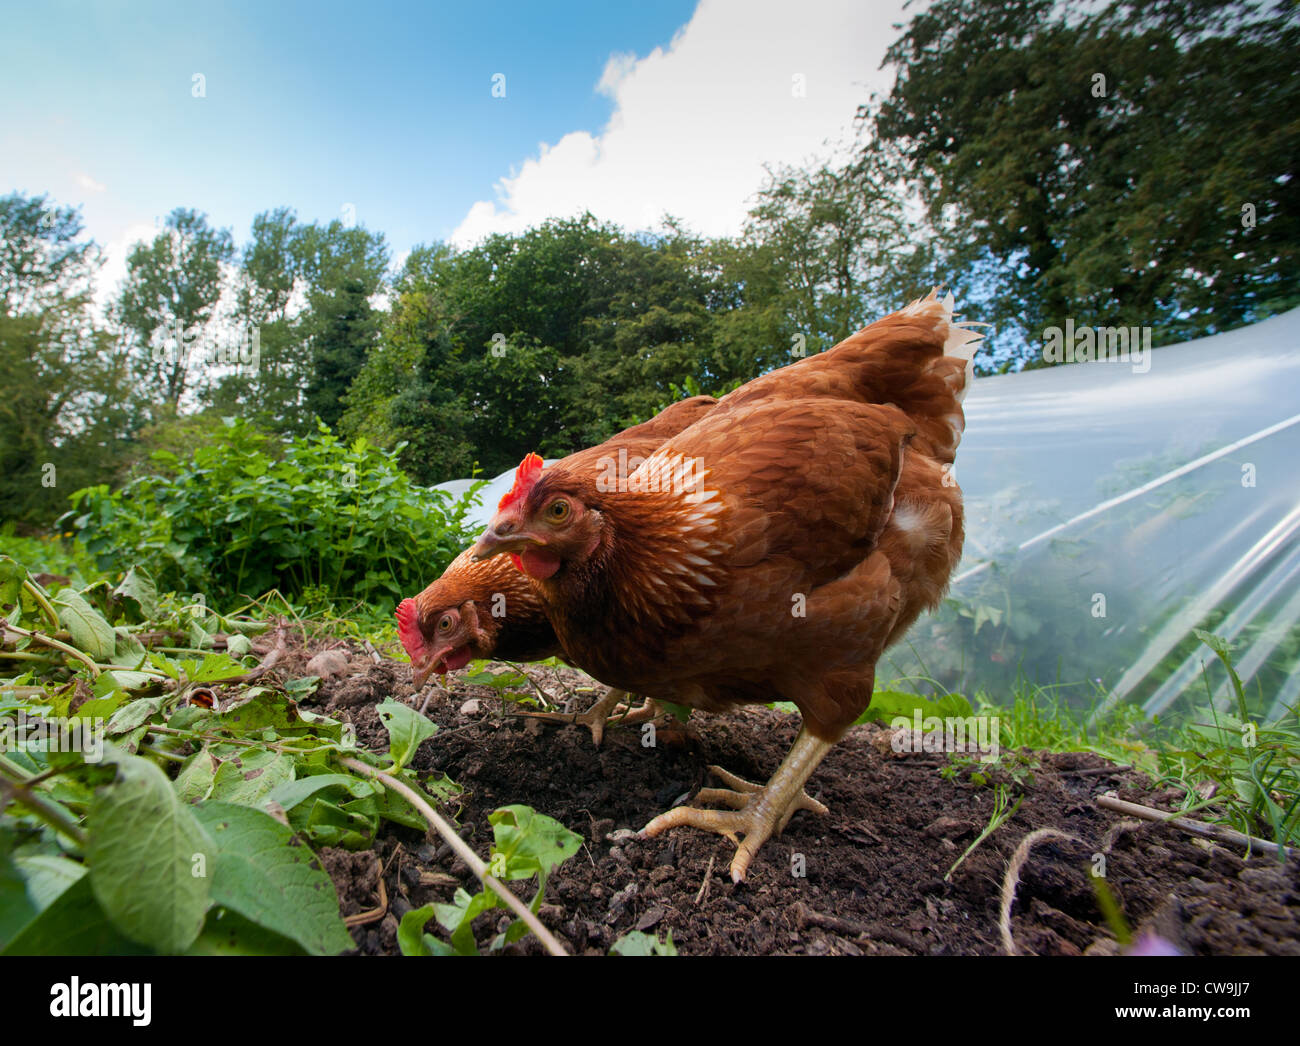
420 673
503 535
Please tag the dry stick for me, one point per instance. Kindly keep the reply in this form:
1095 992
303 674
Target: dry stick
462 850
704 886
1209 831
1012 879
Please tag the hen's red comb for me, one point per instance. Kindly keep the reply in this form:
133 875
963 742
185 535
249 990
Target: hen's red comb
525 477
408 627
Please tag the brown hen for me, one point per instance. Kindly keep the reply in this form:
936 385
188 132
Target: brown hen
769 552
490 610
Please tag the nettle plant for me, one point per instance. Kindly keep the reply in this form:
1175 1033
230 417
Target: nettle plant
246 514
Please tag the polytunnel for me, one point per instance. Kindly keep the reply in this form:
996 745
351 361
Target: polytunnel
1112 508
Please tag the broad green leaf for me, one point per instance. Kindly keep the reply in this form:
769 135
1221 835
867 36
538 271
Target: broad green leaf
101 707
132 714
887 705
250 776
531 843
411 938
459 916
407 730
18 906
290 794
194 782
122 679
229 933
213 669
144 850
73 924
12 576
48 876
90 632
264 708
268 876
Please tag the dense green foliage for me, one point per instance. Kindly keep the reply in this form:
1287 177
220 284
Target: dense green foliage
1130 163
246 514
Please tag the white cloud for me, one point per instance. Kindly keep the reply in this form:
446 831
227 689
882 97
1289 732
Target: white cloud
116 251
694 124
89 184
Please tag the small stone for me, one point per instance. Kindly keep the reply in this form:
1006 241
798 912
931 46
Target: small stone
328 664
471 707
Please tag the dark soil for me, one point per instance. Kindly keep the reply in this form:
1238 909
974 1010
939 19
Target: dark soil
874 867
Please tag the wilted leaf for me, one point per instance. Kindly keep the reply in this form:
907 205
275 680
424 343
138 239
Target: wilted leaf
89 631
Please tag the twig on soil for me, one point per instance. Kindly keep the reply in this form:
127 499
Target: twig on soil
273 657
1208 831
704 886
375 914
865 932
1011 881
463 851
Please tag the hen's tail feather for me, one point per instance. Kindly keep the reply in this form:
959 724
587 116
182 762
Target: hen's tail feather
960 342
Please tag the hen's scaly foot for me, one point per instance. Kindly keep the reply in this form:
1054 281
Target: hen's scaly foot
757 811
607 711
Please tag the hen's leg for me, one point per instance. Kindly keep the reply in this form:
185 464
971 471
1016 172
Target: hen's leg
603 712
758 812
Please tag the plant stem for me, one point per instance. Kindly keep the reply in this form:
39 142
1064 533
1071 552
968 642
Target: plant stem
35 592
462 850
20 792
57 645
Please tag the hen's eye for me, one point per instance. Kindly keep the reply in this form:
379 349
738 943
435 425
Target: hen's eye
445 623
559 510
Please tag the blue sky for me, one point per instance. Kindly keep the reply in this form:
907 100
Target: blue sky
633 110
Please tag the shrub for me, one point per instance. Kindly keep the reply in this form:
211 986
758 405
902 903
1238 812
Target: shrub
247 514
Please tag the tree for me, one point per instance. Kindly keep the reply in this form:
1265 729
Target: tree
170 296
1134 164
303 291
67 412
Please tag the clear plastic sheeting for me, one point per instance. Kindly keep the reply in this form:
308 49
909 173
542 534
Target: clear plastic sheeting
1112 508
1110 512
